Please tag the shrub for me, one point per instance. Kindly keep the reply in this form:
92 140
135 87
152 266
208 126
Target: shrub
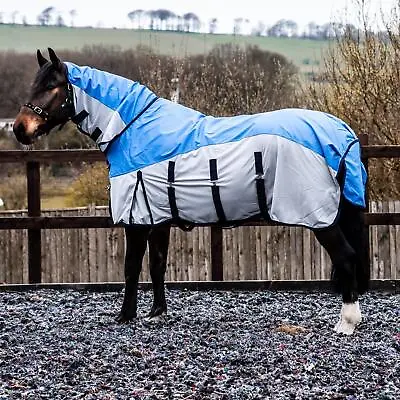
13 192
90 187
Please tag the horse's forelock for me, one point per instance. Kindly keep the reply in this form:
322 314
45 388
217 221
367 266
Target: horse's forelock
45 75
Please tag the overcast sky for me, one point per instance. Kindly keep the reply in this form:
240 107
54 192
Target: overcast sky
114 13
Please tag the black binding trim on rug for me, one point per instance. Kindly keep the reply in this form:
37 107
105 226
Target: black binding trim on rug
139 180
146 200
128 125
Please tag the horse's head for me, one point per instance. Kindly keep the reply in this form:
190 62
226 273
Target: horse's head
50 102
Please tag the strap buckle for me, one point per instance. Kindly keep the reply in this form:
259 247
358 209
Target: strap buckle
37 110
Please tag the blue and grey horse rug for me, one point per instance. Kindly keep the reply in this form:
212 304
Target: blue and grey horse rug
171 163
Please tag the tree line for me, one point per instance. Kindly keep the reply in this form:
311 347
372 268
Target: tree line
164 19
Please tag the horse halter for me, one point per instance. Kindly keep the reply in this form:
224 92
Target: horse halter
66 107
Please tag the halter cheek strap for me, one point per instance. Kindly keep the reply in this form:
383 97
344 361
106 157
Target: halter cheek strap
66 106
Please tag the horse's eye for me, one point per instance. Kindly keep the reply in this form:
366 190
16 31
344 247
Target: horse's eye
50 86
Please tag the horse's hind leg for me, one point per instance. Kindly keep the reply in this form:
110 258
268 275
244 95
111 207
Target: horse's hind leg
351 222
344 277
158 252
136 242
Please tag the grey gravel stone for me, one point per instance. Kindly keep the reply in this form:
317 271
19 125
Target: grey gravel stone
212 345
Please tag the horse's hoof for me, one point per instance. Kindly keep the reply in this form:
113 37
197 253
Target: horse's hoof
344 327
124 318
151 318
350 317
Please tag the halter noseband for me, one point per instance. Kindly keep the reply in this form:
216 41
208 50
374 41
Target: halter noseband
38 110
68 103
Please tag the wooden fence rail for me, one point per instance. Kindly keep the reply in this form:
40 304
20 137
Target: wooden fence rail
35 222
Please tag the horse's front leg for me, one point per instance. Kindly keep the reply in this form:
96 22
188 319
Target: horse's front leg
158 252
136 241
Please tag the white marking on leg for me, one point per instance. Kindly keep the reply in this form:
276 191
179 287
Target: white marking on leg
350 317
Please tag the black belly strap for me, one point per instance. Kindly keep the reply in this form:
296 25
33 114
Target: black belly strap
171 191
260 185
215 191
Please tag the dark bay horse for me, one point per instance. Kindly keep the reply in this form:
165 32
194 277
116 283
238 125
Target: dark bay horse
171 164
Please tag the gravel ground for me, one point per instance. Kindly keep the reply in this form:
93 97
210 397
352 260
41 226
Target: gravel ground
213 345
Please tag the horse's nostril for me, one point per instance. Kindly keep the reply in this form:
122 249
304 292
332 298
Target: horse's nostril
19 129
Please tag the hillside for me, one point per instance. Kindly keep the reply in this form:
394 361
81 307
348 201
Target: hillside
305 53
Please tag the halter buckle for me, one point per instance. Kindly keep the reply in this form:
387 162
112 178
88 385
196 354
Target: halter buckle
37 110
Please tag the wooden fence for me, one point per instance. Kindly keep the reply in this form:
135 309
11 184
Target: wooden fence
243 254
249 252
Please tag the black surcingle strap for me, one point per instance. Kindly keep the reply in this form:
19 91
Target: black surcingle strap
171 191
96 134
184 225
260 185
78 118
215 191
133 199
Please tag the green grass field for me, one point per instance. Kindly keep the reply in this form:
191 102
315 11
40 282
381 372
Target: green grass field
302 52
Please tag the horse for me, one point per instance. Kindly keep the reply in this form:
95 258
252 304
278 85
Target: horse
170 164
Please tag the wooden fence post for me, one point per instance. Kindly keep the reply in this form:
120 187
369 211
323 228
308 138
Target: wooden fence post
217 266
34 235
363 137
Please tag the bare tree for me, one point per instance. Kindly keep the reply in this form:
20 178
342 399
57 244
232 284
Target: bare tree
291 28
312 30
72 14
14 16
171 20
179 23
259 29
165 16
191 22
137 15
237 26
44 18
212 25
153 17
60 20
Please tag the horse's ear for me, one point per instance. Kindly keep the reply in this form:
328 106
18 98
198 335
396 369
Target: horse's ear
40 58
55 60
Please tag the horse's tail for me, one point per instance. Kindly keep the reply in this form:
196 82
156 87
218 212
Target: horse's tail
351 222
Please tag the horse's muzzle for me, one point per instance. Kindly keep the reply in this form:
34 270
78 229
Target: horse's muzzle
20 134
